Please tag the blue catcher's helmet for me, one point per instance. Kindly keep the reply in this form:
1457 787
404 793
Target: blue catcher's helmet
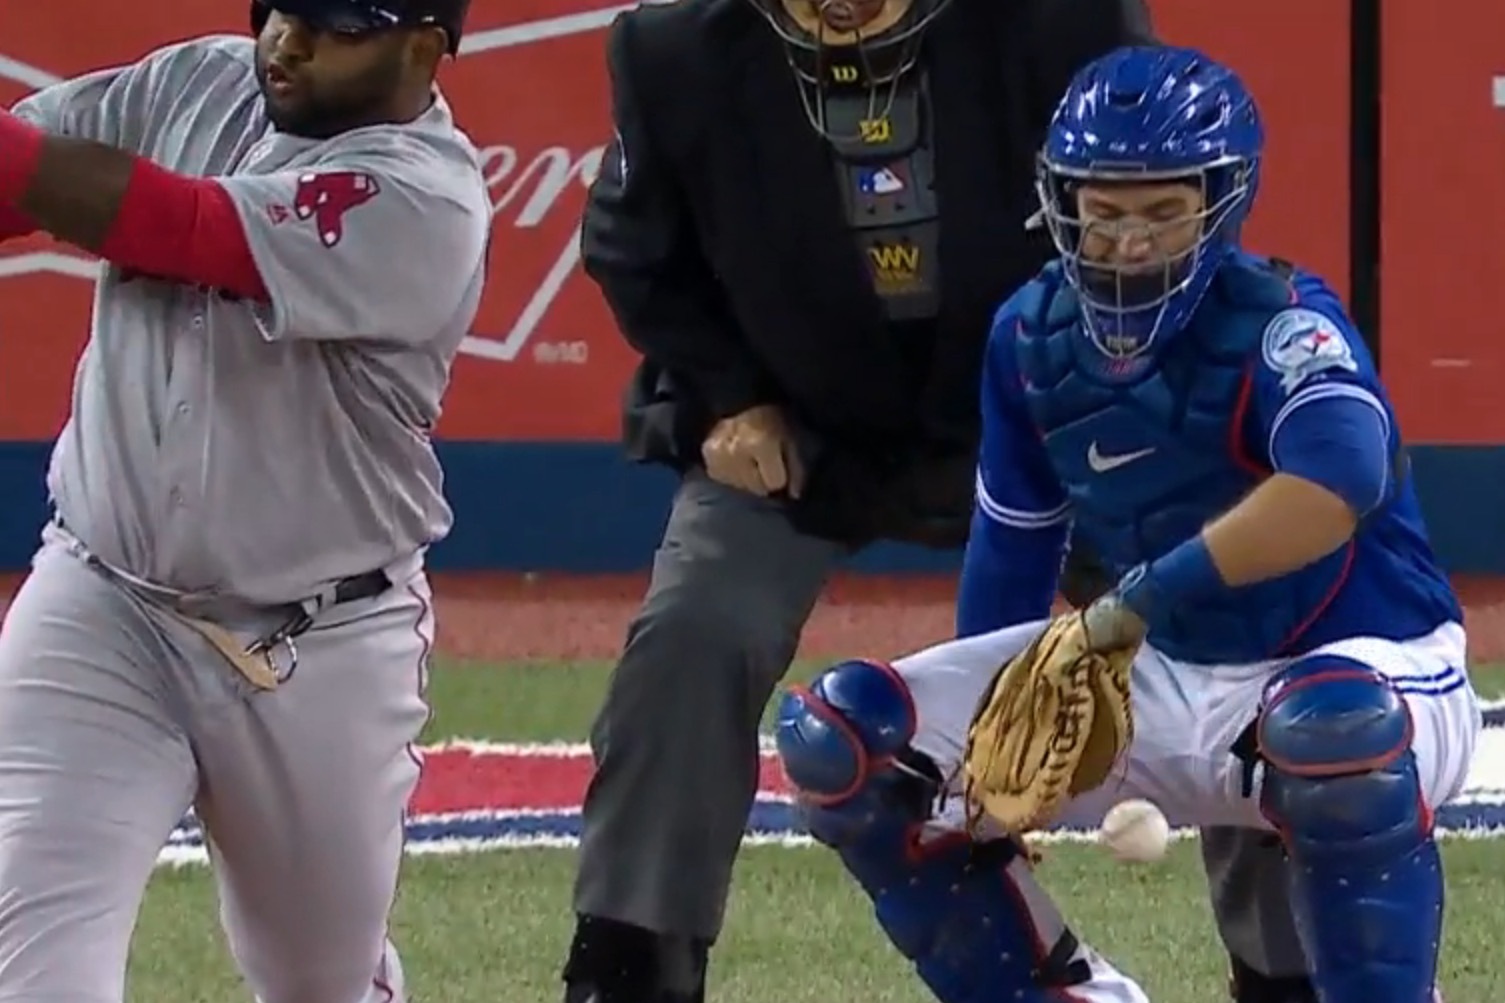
1141 116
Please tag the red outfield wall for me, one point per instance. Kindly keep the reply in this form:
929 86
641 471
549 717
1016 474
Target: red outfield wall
544 365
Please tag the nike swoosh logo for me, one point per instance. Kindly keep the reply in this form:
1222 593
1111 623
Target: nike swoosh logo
1101 464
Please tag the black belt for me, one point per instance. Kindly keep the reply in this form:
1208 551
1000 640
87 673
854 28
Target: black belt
300 616
297 617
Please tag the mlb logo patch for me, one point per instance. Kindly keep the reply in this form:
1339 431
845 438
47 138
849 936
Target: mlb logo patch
881 180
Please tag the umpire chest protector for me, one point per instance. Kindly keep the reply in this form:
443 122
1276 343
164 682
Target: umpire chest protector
880 138
1150 452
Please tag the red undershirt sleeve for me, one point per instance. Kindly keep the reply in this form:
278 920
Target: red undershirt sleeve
170 226
14 223
187 229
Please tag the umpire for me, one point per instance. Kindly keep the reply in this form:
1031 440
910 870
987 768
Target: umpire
804 224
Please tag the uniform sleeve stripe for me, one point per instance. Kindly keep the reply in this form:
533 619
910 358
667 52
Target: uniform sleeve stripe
1326 391
1018 518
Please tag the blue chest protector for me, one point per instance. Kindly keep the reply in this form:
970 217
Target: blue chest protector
1150 453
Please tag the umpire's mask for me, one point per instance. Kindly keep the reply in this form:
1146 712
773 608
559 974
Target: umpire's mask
850 44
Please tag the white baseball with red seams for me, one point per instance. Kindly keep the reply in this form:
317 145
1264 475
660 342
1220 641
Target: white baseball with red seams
1135 831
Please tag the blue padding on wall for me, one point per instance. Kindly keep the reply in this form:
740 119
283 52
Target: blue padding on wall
1462 490
578 507
23 500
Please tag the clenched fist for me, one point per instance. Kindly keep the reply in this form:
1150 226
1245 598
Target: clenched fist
754 452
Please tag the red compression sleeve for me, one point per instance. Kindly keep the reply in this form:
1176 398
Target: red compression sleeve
24 146
14 223
172 226
169 225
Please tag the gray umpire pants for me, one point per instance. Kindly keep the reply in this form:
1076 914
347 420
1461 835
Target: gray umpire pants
676 741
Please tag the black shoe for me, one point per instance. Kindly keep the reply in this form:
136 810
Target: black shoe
1245 985
612 962
584 992
579 992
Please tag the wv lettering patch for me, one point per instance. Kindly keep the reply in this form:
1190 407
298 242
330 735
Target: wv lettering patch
897 261
897 267
492 795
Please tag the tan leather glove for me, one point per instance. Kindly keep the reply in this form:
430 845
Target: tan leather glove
1055 720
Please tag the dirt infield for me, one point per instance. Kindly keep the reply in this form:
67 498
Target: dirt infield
509 617
494 617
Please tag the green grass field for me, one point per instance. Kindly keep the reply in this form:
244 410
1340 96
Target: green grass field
490 927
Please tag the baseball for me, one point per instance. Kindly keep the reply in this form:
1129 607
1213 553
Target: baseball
1135 831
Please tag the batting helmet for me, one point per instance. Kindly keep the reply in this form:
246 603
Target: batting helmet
356 17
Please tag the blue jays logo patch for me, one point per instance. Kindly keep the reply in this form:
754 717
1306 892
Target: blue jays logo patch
1301 343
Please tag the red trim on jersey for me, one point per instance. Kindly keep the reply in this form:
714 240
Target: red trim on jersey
170 226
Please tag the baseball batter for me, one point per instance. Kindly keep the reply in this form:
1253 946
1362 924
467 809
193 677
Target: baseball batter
229 610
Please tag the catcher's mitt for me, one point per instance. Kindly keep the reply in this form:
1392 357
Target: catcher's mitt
1050 726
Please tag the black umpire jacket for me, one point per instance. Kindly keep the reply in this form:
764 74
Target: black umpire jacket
717 236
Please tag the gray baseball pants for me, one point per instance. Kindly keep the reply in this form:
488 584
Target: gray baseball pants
676 741
116 717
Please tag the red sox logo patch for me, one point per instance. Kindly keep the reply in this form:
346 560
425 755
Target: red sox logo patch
326 197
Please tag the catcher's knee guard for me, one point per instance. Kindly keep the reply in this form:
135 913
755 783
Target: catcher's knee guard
1341 786
968 915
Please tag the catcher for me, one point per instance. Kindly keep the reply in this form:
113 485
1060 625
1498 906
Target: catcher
1281 651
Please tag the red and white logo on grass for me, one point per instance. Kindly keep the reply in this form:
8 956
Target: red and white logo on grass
483 795
477 795
492 795
496 795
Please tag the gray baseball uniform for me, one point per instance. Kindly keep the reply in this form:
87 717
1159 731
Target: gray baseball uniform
223 460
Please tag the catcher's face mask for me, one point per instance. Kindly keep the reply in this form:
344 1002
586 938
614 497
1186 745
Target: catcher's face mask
849 44
1135 241
1132 246
1148 117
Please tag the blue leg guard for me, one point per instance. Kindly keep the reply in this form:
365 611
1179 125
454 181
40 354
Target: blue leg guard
1342 788
967 914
